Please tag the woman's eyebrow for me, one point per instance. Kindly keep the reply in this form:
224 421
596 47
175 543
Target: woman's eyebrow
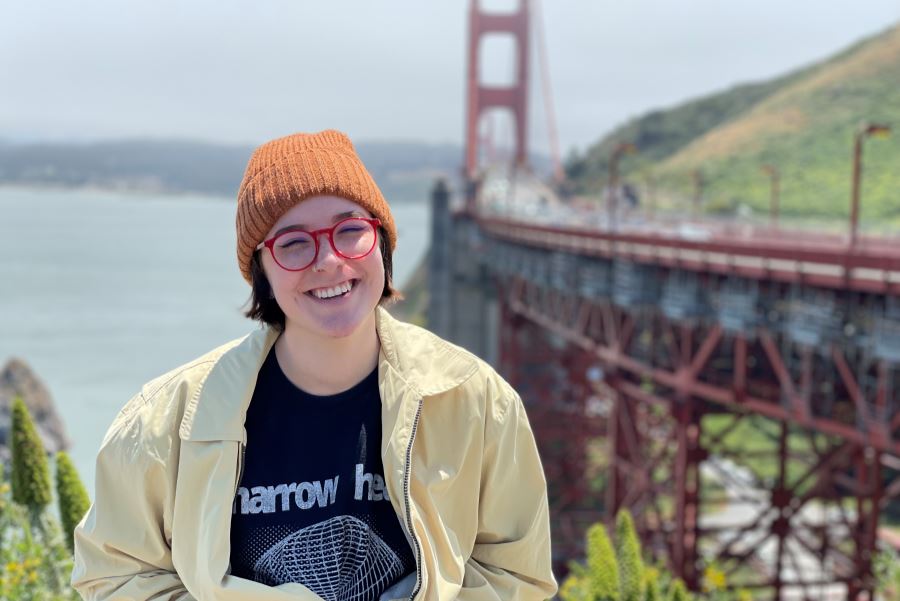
335 219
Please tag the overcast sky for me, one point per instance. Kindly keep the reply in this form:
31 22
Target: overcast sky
244 72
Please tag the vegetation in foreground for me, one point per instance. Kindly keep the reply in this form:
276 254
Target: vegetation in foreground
887 574
616 571
35 549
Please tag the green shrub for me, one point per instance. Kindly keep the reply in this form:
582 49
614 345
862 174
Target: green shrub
628 554
577 585
72 496
651 586
34 561
599 579
677 592
30 472
602 565
615 571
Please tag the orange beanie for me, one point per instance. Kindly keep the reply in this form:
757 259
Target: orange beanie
286 171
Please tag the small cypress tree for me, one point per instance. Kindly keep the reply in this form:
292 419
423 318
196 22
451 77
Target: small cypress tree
602 566
30 472
677 592
628 552
72 496
651 586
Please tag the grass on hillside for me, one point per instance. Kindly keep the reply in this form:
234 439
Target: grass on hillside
803 123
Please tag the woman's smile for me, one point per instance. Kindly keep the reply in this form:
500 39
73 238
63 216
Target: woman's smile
334 294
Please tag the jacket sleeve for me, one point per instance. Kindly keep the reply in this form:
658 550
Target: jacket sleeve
122 547
511 558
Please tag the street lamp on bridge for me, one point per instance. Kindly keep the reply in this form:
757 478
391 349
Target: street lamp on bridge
699 182
650 187
862 132
621 149
775 178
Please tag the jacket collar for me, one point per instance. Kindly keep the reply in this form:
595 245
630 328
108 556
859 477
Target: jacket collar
414 356
427 363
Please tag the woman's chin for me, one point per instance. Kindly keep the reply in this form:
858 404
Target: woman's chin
329 324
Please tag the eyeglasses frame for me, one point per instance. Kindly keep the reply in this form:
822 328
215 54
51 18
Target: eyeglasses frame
270 243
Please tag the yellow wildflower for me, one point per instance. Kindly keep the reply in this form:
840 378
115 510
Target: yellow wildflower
713 579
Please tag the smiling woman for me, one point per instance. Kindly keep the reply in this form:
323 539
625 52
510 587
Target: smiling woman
334 454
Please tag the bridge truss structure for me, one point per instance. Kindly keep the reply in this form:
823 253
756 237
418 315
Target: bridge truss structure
796 340
654 358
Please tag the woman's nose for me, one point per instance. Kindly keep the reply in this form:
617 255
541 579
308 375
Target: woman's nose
326 252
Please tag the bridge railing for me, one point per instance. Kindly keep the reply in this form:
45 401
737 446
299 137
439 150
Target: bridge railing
872 265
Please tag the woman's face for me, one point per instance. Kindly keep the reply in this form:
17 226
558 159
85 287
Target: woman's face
293 290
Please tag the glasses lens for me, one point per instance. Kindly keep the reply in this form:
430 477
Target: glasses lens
354 238
294 250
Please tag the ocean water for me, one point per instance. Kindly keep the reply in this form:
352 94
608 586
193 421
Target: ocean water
101 291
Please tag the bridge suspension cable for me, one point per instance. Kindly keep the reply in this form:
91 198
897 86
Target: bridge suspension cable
547 91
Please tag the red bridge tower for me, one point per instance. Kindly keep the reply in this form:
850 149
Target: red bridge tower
480 97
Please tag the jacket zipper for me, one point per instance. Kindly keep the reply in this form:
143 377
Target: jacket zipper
406 499
240 469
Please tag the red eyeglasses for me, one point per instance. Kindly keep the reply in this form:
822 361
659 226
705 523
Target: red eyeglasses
295 250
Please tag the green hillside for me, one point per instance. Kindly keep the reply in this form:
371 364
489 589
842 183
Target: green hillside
803 123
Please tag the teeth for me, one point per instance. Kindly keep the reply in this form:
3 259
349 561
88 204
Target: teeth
330 292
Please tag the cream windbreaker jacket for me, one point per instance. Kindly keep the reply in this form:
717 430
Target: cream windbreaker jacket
459 460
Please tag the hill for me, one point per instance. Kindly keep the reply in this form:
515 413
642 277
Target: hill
803 123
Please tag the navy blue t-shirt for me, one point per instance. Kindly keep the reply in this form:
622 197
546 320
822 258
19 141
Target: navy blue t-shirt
312 506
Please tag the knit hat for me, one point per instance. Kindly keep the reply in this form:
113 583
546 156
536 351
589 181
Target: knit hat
286 171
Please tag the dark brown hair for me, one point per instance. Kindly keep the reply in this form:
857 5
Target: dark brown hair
264 307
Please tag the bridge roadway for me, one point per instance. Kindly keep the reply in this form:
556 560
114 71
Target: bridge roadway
521 208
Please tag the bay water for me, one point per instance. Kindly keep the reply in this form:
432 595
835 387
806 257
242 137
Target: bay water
102 291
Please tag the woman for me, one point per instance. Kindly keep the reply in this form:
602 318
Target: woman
335 454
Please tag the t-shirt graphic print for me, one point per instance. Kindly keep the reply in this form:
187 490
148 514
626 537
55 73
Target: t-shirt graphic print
312 506
340 558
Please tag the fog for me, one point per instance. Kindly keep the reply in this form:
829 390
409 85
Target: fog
231 72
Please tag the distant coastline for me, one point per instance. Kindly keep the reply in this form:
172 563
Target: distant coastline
404 170
153 194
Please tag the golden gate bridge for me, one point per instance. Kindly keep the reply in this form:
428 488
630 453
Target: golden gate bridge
648 341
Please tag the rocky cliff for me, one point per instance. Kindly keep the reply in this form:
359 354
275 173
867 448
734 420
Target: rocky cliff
17 379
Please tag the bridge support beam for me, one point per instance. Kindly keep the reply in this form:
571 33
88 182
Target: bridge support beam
730 449
462 302
551 376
